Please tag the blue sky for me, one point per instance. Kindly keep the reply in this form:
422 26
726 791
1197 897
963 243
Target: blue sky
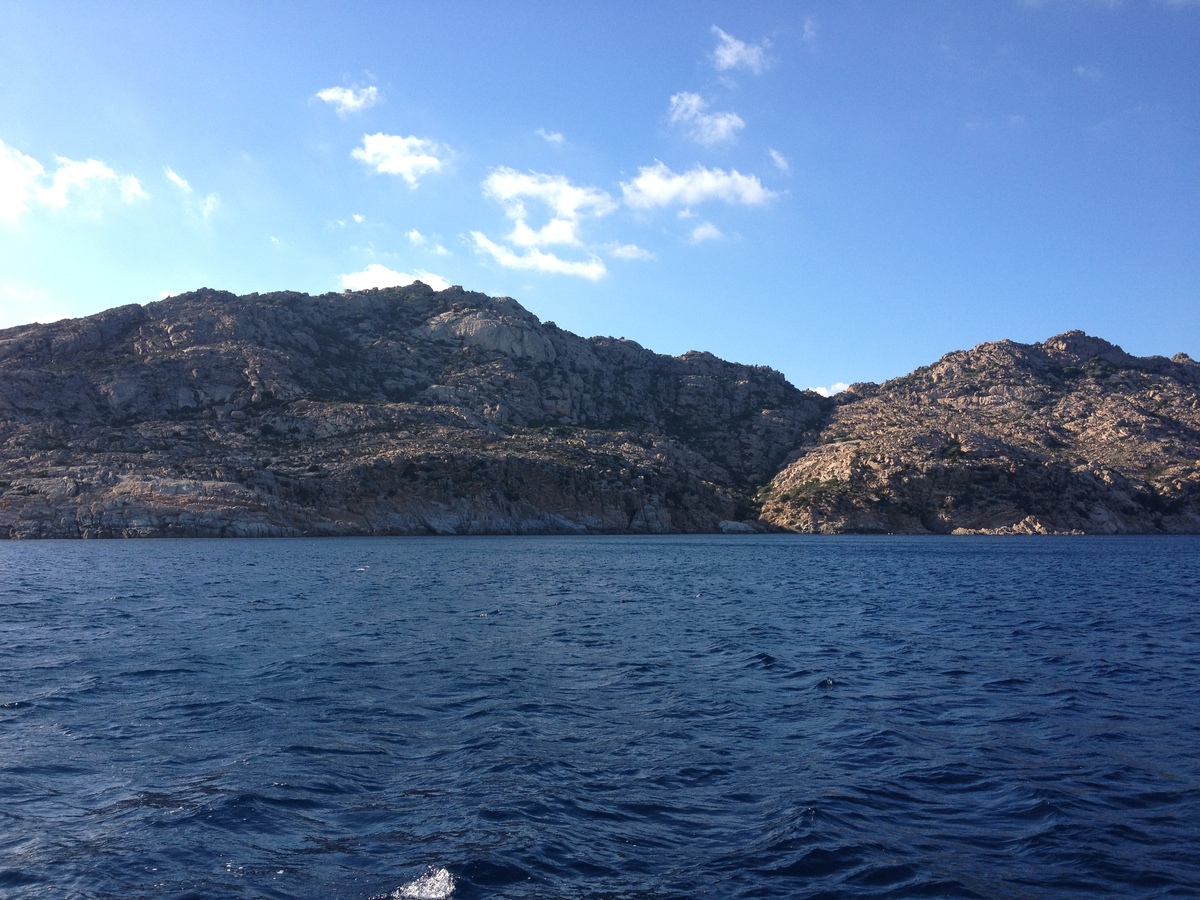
840 190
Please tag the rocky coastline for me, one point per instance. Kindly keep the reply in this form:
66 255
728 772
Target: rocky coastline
414 411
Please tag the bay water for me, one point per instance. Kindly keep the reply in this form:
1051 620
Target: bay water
600 717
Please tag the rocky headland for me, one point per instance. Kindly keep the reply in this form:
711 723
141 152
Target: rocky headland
413 411
1072 435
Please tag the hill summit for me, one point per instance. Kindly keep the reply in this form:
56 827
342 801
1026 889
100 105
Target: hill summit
414 411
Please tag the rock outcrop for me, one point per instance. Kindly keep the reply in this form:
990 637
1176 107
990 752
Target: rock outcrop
412 411
1072 435
400 411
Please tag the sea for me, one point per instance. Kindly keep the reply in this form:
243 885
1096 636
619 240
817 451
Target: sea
601 717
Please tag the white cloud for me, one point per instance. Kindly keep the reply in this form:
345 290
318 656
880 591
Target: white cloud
564 199
537 260
178 180
358 218
419 240
348 100
836 388
379 276
658 186
706 231
689 110
779 159
73 176
551 137
409 157
734 54
22 183
629 251
131 189
19 176
203 207
567 204
810 29
556 231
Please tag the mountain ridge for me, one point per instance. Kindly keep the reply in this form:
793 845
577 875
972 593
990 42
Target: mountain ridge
414 411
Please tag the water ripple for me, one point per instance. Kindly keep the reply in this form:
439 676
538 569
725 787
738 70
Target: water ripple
600 718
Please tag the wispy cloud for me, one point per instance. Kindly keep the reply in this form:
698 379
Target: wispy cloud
706 231
419 240
781 162
554 138
629 251
204 206
690 111
409 157
731 53
24 182
348 100
19 182
657 185
178 180
1091 73
380 276
537 260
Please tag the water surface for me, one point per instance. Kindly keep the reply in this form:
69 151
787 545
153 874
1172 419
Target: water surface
676 717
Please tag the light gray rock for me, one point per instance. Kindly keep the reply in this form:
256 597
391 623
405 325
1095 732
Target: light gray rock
1073 435
398 411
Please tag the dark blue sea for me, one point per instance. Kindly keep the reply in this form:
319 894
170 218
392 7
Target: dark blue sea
616 717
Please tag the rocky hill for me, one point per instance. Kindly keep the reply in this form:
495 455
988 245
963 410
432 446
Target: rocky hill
380 412
1070 435
410 411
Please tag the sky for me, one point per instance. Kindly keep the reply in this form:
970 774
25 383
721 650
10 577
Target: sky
842 191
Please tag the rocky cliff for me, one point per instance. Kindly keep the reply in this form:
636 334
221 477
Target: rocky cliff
410 411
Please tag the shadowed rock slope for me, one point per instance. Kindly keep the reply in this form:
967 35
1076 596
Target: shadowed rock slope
400 411
1070 435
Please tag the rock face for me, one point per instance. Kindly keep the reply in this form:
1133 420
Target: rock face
1070 435
410 411
400 411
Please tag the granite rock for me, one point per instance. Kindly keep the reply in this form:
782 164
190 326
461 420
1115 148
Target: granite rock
399 411
1072 435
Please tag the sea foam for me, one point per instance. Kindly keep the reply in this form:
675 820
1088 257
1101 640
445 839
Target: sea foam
435 884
